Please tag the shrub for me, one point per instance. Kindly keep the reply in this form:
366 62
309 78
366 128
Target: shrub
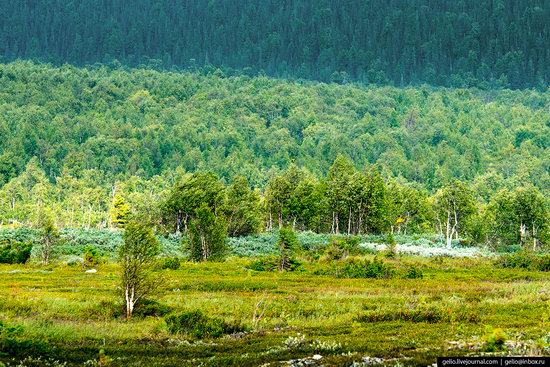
543 262
105 310
91 257
152 308
342 247
13 252
524 260
74 241
494 339
172 263
414 273
392 246
287 244
364 269
272 264
199 325
419 313
14 345
207 233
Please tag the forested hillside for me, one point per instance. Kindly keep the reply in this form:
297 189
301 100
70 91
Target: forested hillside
487 43
122 123
82 142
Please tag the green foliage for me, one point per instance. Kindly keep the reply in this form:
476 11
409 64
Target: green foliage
521 217
369 152
340 248
392 246
454 207
12 252
172 263
207 234
191 196
49 237
428 313
120 212
287 245
294 198
400 42
273 264
13 344
74 241
151 308
91 257
104 359
361 268
524 260
409 209
137 256
199 325
455 297
494 339
414 273
242 209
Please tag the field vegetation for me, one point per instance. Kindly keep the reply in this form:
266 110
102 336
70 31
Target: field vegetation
407 310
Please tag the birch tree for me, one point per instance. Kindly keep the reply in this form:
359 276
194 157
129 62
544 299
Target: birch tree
137 256
207 234
454 206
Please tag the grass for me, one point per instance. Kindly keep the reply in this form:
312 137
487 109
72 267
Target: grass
67 315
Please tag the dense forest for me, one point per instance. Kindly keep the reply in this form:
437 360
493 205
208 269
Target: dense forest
115 124
92 146
484 43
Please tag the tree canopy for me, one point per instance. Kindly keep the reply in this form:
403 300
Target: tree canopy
488 43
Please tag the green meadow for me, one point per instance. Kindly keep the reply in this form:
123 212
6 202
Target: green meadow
61 315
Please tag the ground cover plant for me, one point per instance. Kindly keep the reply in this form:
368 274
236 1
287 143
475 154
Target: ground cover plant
250 317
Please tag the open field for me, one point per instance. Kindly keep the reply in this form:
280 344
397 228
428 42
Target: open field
68 315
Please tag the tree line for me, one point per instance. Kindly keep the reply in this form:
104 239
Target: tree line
485 43
348 201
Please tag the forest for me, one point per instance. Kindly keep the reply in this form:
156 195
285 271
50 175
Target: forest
485 43
320 157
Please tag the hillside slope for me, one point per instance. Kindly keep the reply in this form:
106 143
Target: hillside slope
143 122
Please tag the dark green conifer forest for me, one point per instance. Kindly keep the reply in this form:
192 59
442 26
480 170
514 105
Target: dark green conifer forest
485 43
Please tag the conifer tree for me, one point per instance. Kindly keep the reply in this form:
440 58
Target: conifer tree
120 212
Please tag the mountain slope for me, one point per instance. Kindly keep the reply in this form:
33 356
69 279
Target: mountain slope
143 122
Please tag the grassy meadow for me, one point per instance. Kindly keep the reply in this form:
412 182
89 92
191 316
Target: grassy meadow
61 315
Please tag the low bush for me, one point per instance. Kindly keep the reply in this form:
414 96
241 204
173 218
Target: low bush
197 324
419 313
391 252
340 248
104 310
107 310
13 252
272 264
357 268
172 263
494 339
151 308
91 257
74 241
13 344
524 260
414 273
